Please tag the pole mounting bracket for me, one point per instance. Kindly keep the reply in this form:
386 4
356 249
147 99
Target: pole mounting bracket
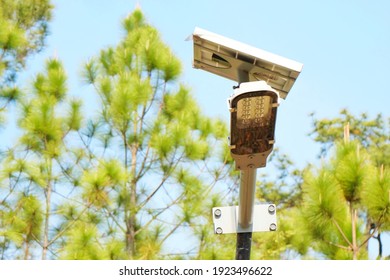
225 219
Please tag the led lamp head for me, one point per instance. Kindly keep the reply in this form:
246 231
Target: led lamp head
253 108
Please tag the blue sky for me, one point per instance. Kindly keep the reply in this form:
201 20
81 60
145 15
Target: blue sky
344 46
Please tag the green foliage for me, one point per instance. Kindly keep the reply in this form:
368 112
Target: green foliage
335 203
323 201
285 187
23 28
376 197
371 133
84 245
351 169
326 212
23 224
45 129
150 246
212 246
335 209
98 183
33 168
74 117
160 141
9 94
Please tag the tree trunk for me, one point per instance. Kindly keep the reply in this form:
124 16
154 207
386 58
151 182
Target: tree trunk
26 250
47 218
48 193
380 246
355 247
131 217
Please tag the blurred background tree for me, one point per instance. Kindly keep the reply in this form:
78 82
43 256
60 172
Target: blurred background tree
333 210
23 29
152 167
31 171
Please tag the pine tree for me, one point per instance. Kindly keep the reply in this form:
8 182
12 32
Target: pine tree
372 133
286 185
345 203
153 163
23 29
32 175
141 173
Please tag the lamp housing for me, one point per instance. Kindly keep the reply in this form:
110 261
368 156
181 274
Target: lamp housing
253 108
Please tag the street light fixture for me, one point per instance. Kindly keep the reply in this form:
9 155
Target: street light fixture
253 108
263 77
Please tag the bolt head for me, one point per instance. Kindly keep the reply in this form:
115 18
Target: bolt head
272 227
217 213
271 209
219 231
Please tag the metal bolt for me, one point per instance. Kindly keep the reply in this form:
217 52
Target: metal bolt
272 227
217 213
218 231
271 209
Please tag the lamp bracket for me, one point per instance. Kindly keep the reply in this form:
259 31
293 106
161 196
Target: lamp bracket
225 219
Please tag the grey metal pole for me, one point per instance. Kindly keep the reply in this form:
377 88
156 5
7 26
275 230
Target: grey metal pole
245 213
247 198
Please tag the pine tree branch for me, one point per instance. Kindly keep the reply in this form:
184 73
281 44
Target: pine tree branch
65 171
376 229
36 239
17 179
59 234
139 125
12 188
155 217
342 232
156 87
4 106
114 219
339 246
40 244
171 232
216 179
172 166
86 146
149 197
143 169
